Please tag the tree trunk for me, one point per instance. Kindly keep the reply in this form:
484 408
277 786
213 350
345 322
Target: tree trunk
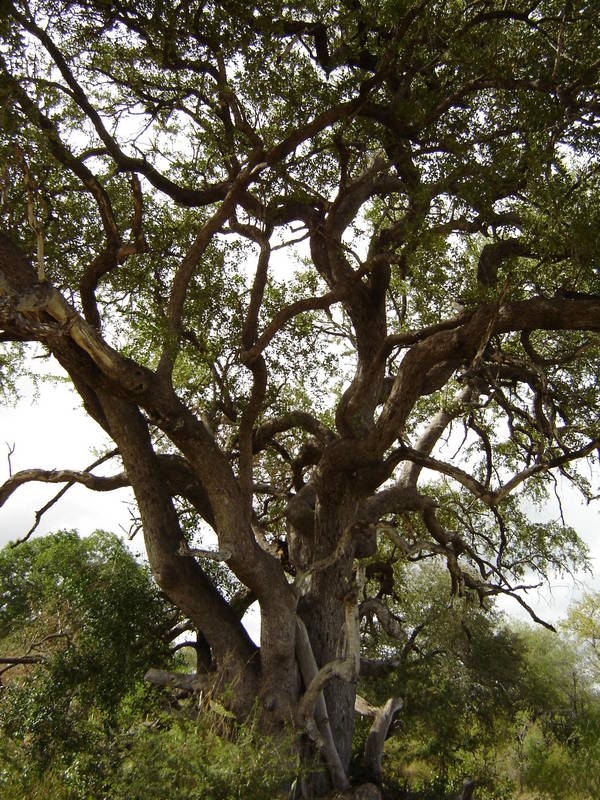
321 607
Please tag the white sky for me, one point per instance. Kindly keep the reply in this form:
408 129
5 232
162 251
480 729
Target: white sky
54 432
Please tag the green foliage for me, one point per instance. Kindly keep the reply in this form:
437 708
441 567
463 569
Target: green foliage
81 724
93 617
583 621
513 707
193 756
459 677
195 762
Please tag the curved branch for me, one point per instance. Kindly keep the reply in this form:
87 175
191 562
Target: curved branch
5 492
467 480
111 256
558 461
181 194
383 716
181 480
378 668
293 419
64 155
188 265
406 547
464 342
390 624
96 482
494 498
288 313
433 432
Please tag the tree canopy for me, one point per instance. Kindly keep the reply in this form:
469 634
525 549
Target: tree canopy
285 251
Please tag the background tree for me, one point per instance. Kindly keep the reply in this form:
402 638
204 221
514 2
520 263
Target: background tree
583 621
87 620
281 250
510 708
81 622
459 669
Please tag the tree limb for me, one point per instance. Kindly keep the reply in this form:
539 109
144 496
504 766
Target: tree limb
383 716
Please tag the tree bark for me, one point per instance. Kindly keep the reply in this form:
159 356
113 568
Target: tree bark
321 605
179 576
467 790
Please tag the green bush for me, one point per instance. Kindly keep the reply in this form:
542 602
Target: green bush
154 754
190 761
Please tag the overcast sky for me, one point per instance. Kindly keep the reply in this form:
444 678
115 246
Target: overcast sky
54 432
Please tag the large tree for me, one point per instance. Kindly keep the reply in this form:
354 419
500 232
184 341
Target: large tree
281 249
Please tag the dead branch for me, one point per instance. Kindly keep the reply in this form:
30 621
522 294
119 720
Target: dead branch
383 716
176 680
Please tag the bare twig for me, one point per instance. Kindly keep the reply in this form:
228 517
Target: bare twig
11 449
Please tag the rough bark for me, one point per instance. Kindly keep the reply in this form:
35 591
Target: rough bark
179 576
322 610
319 716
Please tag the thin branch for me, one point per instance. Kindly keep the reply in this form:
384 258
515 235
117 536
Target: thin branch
59 476
188 265
390 624
98 483
181 194
545 465
408 338
11 449
288 313
35 225
293 419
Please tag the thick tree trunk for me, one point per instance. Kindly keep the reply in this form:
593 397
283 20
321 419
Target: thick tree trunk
323 615
321 606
